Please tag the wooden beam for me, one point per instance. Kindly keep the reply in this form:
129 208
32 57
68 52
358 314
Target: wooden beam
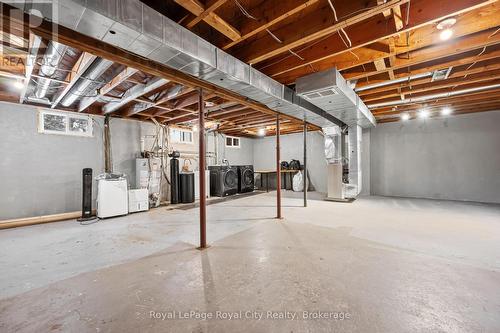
211 6
414 90
115 82
457 46
269 13
331 52
386 13
441 64
398 18
214 20
312 27
34 47
379 64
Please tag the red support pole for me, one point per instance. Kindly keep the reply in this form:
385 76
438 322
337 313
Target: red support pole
278 168
201 167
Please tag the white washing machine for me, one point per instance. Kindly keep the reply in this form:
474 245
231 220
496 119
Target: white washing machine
112 196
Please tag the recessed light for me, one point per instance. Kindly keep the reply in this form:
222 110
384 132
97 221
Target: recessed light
18 84
446 34
405 117
423 114
446 111
445 26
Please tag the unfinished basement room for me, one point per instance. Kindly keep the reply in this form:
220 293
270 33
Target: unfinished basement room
250 166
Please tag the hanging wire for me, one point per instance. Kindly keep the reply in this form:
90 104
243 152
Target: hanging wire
244 11
334 11
274 36
295 54
475 62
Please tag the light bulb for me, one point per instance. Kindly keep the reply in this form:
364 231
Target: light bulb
446 34
261 132
446 111
405 117
423 114
18 85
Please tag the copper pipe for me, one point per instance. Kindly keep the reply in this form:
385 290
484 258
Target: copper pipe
278 168
201 158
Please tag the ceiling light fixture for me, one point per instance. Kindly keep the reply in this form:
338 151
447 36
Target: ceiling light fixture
445 27
423 114
446 111
405 117
261 132
18 84
195 128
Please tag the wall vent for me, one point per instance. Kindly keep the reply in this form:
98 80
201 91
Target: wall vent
441 74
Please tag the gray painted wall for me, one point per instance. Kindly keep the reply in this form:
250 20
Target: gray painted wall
457 158
40 174
236 156
292 148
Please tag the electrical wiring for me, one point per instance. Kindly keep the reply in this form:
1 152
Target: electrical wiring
475 62
244 11
274 36
295 54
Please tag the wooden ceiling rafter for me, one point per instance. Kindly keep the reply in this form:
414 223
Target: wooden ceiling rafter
375 44
210 17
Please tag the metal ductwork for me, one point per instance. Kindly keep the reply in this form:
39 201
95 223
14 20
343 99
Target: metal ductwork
329 91
133 26
434 96
51 59
98 67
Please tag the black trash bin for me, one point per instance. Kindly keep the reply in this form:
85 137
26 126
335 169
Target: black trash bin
187 187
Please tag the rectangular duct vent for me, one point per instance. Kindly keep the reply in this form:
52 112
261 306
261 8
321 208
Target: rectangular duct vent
441 74
321 93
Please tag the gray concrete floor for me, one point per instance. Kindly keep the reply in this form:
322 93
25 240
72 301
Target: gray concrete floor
389 264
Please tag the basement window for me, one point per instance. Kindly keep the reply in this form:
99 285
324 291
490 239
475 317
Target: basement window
232 141
181 136
53 122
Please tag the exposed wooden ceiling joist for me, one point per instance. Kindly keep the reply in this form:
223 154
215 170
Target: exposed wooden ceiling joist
371 38
313 27
214 20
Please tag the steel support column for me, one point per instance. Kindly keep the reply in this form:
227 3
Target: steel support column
278 168
201 167
305 181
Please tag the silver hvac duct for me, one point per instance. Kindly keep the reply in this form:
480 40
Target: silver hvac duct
434 96
98 67
51 59
388 83
137 28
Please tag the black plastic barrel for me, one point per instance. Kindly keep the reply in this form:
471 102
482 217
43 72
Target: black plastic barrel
187 187
174 180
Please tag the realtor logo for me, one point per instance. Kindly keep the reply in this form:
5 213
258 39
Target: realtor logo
17 35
